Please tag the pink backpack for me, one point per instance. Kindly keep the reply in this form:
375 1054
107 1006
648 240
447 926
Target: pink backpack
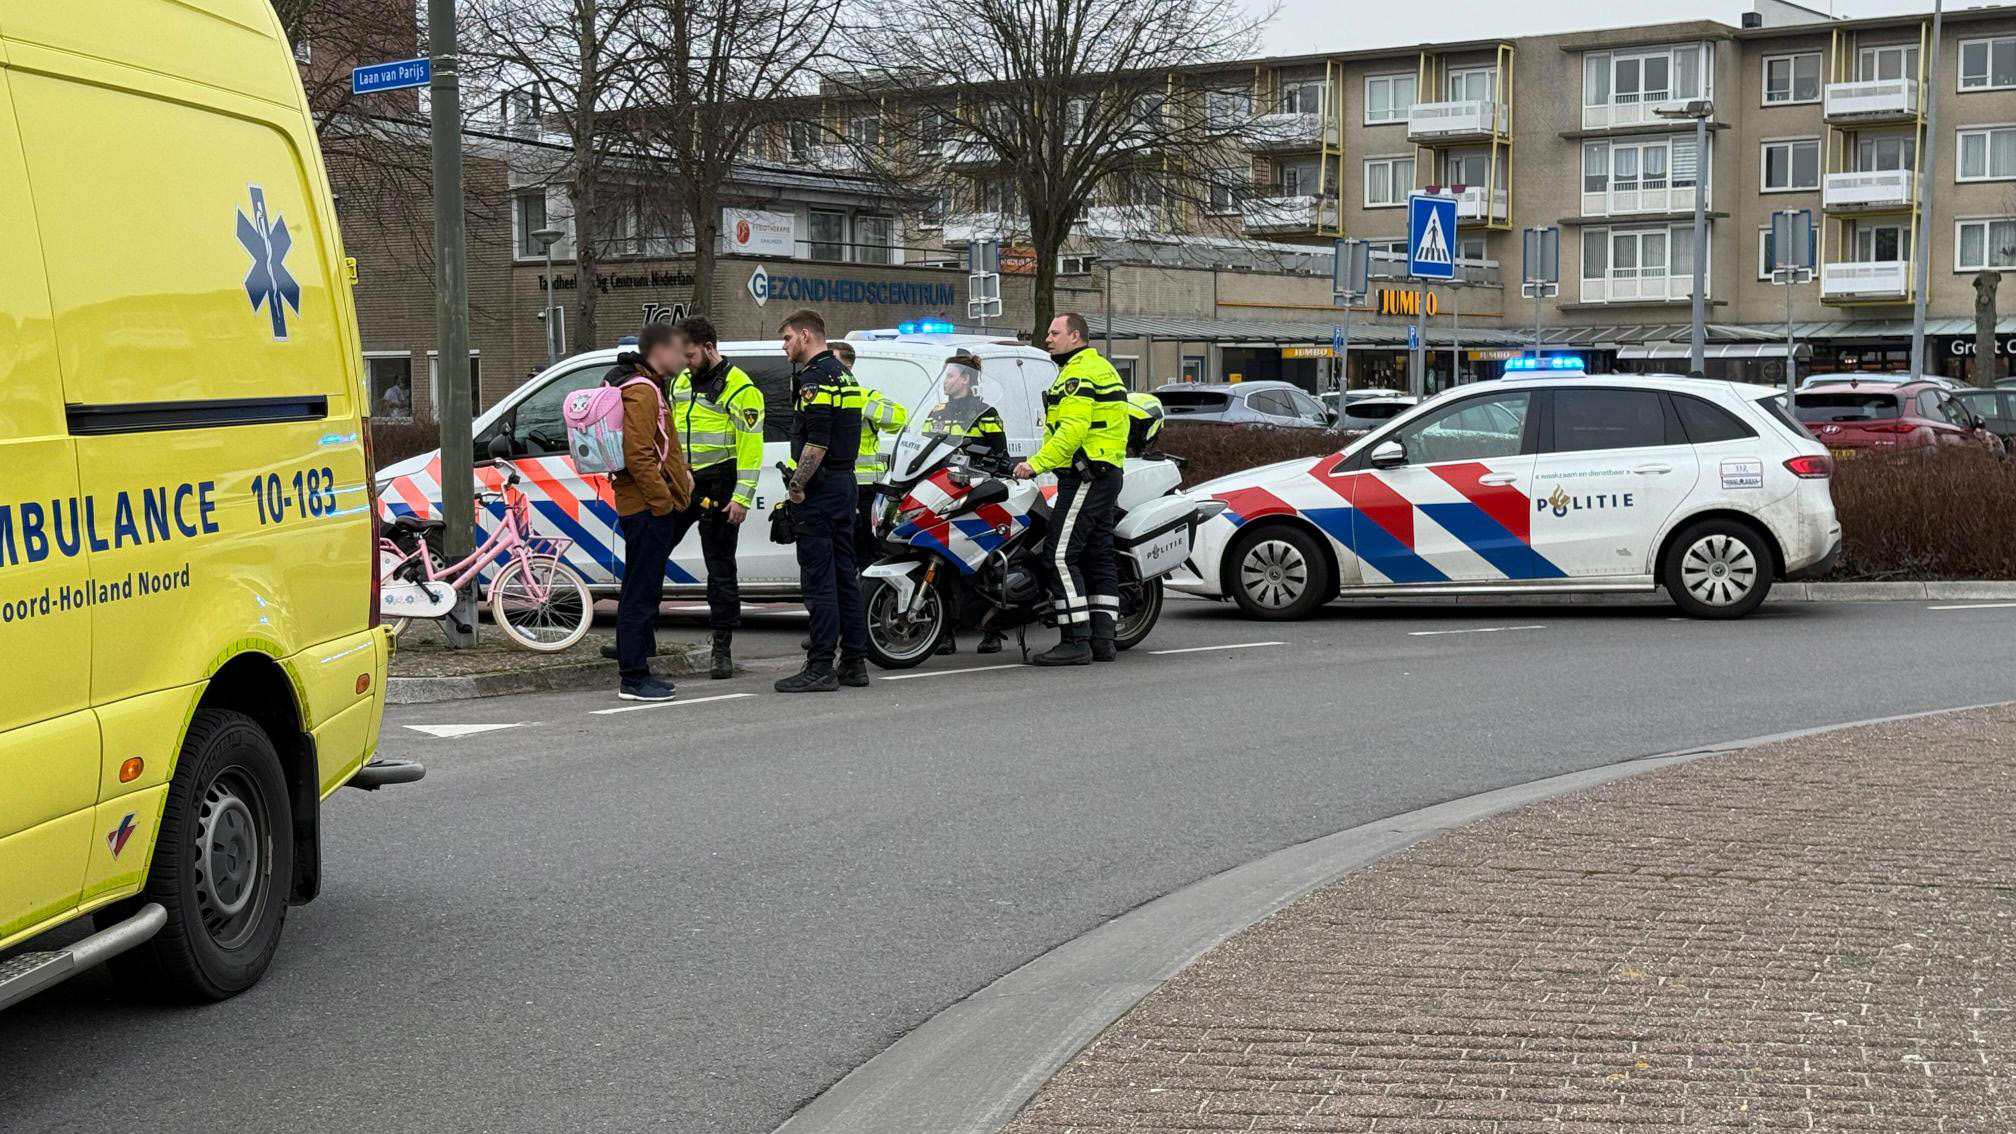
594 418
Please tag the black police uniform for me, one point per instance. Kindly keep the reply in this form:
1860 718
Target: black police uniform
829 415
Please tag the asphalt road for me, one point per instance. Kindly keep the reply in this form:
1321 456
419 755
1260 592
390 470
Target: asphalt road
694 917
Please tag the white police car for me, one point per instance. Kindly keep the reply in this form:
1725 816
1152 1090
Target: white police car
1551 482
903 364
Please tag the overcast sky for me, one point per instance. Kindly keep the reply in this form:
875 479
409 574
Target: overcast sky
1307 26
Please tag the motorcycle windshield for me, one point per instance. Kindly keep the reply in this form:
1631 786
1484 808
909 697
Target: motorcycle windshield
935 436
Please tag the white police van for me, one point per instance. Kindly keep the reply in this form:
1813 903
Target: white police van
1548 481
903 364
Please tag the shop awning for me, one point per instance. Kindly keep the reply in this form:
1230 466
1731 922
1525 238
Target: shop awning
1713 350
1260 332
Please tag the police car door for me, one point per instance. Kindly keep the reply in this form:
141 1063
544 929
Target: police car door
1615 465
1455 509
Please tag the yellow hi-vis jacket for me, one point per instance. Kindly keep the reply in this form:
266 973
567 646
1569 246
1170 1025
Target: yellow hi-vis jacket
1084 413
713 430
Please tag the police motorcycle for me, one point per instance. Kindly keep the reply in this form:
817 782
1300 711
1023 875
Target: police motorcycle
958 542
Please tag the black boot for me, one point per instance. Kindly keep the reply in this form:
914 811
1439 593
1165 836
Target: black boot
723 663
1102 637
990 643
853 673
816 677
950 645
1074 649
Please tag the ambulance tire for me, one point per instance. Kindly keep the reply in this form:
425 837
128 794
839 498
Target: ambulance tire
1279 573
222 861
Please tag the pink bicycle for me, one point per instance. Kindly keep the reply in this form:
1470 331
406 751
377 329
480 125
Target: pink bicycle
536 599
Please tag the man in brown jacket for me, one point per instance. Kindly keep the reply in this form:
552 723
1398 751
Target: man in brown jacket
648 494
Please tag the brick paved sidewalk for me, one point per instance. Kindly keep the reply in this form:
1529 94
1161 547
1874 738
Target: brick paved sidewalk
1818 935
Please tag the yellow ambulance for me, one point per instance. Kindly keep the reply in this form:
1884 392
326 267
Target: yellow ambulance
190 660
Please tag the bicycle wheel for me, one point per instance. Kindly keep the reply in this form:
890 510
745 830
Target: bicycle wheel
541 603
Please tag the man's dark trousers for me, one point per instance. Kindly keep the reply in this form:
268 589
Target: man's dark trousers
825 526
715 487
1079 561
647 544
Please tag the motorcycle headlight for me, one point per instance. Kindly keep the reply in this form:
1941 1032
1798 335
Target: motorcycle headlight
905 515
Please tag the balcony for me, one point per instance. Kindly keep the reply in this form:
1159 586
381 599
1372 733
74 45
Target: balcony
1286 132
1635 112
1870 191
1472 120
1865 280
1877 100
1122 221
962 227
1289 214
1624 287
1637 197
1470 204
968 153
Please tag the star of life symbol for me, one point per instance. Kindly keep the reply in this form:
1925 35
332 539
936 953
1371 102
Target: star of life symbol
269 283
1434 245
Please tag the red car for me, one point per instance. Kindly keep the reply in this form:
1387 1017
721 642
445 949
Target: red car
1852 417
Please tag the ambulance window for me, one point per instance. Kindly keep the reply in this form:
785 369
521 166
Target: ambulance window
772 375
536 428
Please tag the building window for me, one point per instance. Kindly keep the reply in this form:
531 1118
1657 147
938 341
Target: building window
1653 176
1637 264
1624 88
1895 61
1477 84
475 380
865 131
1388 181
1226 110
1388 98
1988 64
1470 248
1886 151
1791 165
528 215
1792 78
1302 98
1079 265
1075 113
828 232
1881 243
876 235
1988 155
1301 179
391 378
933 213
934 128
802 136
1225 191
1985 244
519 108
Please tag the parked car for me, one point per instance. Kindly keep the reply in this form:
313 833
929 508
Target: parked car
1873 378
1281 404
1996 409
1332 399
1371 413
1855 418
569 506
1541 485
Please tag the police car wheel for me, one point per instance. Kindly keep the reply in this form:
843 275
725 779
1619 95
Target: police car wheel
222 863
1279 573
898 639
1717 569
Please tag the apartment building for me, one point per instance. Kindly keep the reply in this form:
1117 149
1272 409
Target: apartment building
1573 131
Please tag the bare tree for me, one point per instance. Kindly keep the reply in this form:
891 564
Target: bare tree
1068 103
575 65
714 76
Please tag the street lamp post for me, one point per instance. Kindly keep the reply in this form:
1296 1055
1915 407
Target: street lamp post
1700 110
547 237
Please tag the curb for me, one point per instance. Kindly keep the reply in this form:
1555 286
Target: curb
973 1066
573 675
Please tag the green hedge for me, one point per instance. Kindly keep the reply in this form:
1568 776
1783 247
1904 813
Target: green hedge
1947 515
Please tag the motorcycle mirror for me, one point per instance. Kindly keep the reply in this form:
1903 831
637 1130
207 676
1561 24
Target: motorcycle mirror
987 492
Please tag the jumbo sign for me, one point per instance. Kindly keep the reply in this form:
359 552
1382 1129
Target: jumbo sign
1393 301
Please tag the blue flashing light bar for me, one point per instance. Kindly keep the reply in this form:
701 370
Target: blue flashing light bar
1551 362
926 327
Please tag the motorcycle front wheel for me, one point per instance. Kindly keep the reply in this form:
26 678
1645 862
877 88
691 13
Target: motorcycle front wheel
1140 609
899 639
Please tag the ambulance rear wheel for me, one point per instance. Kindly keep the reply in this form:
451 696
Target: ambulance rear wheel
222 861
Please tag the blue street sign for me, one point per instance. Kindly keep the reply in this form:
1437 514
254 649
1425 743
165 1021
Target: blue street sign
1413 337
1337 338
1431 236
391 76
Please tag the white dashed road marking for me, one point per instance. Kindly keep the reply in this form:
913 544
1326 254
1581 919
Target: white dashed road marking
1974 606
1208 649
948 672
1477 630
666 704
451 731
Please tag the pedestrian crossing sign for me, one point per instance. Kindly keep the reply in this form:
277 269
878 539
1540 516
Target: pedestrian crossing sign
1431 223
